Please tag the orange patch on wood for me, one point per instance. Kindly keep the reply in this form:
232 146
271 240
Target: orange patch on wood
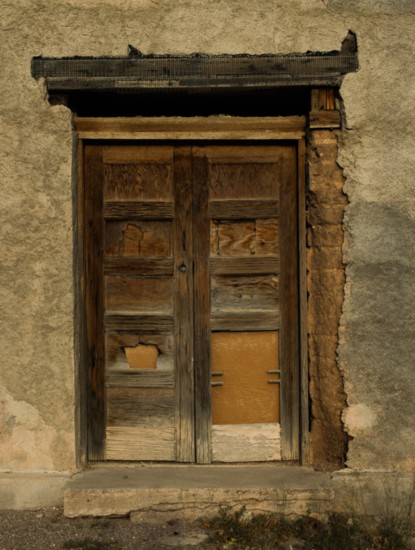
142 356
244 359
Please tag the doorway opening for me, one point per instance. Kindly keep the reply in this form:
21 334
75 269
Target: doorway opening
192 295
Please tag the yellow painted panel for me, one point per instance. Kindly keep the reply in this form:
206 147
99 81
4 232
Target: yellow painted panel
246 396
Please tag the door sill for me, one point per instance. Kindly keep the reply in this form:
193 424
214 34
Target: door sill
191 491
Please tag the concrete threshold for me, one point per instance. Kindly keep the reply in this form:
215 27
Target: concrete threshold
153 492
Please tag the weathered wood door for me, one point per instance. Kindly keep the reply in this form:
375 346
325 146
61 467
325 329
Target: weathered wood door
192 301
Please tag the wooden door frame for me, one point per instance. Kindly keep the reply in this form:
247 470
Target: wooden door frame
295 421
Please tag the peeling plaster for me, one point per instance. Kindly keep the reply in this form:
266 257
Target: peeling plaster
26 441
358 419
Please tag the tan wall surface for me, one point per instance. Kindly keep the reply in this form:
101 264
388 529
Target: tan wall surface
376 353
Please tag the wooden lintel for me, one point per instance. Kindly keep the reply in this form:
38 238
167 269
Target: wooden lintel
195 128
194 72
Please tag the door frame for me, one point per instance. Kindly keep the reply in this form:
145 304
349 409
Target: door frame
295 404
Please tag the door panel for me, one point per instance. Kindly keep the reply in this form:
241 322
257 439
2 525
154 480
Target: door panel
142 301
191 301
136 416
243 190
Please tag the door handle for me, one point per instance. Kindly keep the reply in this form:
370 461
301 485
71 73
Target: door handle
183 268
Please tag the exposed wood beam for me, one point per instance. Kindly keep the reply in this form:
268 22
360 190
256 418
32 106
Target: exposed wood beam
197 72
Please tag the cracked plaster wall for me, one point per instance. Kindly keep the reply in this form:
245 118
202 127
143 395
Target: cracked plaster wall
377 346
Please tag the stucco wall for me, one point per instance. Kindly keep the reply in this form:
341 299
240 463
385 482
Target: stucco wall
377 346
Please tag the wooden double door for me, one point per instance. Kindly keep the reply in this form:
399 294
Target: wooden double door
191 301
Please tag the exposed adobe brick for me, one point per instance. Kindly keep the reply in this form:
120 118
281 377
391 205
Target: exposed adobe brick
329 256
325 288
325 235
325 214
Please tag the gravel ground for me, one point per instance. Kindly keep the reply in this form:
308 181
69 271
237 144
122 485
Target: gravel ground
47 528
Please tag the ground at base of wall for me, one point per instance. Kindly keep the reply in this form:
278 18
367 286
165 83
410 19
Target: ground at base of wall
49 528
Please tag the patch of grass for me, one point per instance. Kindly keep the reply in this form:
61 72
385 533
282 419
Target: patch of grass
265 532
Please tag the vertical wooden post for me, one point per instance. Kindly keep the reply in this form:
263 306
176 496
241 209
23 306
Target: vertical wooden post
183 254
94 175
289 349
202 306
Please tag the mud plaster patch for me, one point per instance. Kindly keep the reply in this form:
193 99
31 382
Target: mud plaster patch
29 438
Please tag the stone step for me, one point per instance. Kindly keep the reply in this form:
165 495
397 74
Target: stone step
153 492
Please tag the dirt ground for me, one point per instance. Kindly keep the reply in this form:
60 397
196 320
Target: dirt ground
47 528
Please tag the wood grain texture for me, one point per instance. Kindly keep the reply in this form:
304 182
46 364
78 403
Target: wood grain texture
161 323
192 128
289 338
183 253
244 293
140 379
139 266
245 320
137 182
244 238
150 442
303 366
94 302
201 307
138 295
144 210
138 239
137 154
244 265
325 119
246 443
241 180
240 209
139 406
